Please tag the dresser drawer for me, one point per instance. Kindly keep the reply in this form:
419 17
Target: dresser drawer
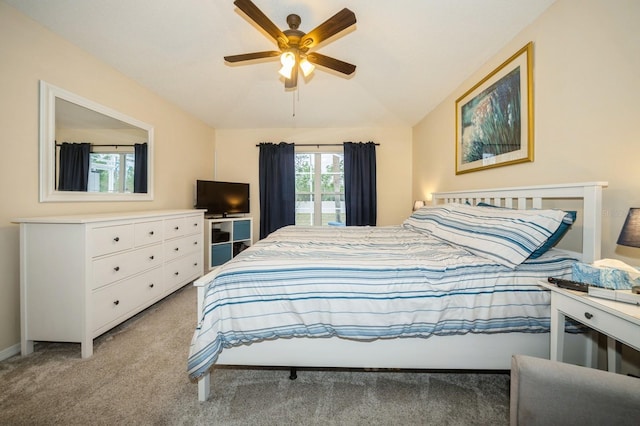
174 227
193 224
147 233
111 239
120 266
182 246
115 301
181 271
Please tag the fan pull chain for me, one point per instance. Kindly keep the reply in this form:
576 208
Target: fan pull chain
295 92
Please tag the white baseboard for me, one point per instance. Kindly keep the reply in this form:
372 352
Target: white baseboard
10 351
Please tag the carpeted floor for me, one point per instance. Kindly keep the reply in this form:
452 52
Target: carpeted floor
137 376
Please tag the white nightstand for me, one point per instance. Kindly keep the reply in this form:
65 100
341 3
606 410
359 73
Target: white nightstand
619 321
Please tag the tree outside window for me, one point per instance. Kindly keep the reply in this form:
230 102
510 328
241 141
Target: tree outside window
320 189
111 172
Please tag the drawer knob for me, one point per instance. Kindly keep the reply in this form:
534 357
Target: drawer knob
151 285
117 268
150 232
116 239
176 228
152 257
588 315
195 264
177 249
116 302
176 273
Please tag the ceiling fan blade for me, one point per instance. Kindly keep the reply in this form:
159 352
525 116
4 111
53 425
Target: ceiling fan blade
251 56
329 62
256 15
332 26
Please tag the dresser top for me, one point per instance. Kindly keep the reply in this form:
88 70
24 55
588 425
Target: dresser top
103 217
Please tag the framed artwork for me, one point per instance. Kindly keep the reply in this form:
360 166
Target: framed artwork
494 119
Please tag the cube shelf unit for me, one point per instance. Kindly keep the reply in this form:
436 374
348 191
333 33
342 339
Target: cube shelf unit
225 238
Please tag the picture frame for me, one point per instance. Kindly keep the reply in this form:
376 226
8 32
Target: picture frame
494 119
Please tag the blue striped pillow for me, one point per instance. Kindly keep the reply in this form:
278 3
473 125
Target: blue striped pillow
567 221
505 236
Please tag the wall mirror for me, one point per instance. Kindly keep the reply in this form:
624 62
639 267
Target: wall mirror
89 152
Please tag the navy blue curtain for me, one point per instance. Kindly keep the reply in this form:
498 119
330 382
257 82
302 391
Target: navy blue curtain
140 168
360 183
74 166
277 187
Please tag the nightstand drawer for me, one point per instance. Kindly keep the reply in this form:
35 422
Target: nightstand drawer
598 319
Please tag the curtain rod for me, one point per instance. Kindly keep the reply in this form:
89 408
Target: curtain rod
319 144
93 144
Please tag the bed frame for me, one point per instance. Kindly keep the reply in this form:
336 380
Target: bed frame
460 352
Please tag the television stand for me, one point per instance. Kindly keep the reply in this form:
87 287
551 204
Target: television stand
226 237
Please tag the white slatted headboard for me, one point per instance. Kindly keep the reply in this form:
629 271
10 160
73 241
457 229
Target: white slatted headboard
590 193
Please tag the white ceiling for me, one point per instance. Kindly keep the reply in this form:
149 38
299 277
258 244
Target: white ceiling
410 54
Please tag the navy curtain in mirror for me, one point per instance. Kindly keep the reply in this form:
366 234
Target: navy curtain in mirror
360 183
277 187
140 170
74 166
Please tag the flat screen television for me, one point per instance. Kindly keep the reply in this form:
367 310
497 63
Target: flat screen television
222 198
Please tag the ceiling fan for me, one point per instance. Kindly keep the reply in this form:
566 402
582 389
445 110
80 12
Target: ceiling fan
294 44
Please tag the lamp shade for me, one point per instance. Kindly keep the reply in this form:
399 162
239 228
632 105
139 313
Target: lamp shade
630 233
306 67
288 61
418 204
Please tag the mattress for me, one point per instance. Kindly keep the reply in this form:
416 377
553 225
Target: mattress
366 283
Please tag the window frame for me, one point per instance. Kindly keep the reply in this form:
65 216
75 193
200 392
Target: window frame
122 153
317 195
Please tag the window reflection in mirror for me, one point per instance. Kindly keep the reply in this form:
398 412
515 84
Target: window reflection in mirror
111 156
116 163
111 172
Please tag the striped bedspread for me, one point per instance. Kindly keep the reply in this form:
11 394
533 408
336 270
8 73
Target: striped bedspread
366 283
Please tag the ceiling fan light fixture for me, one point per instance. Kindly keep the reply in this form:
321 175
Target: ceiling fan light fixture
288 61
306 67
286 71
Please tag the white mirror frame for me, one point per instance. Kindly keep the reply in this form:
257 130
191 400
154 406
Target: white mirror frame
47 155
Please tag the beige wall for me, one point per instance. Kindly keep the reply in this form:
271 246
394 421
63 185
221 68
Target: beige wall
237 160
586 89
184 146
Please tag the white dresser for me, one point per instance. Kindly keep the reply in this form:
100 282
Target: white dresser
82 275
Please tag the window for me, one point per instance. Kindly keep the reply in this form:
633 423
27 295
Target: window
111 172
320 189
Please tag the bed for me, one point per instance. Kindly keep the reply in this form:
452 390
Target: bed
453 287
